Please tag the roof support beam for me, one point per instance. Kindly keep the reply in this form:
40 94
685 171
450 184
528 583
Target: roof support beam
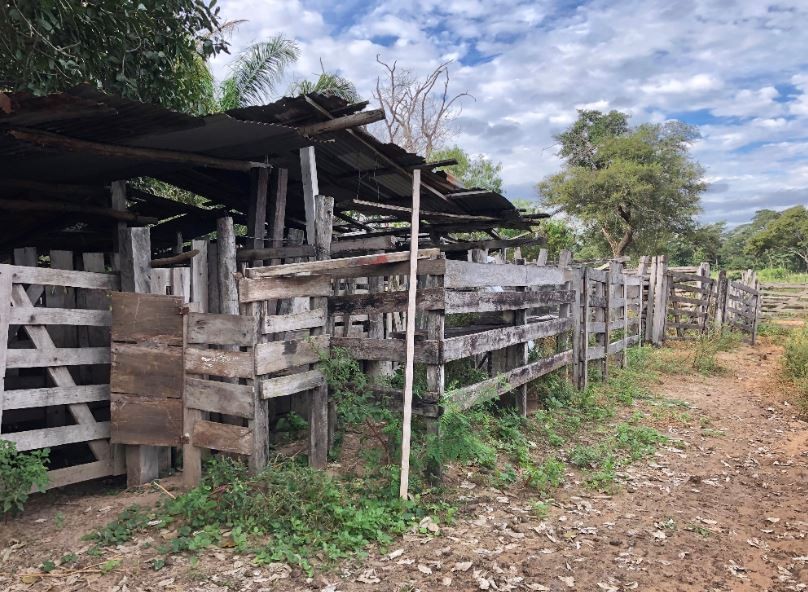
342 123
51 140
19 205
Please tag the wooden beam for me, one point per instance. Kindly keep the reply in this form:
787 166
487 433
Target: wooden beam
393 208
257 209
174 260
311 188
51 140
342 123
277 210
19 205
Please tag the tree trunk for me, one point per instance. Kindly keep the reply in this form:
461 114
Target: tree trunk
618 247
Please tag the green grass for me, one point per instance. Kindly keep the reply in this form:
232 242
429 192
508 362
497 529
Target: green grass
795 366
781 275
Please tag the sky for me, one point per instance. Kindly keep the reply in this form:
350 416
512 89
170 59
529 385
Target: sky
736 69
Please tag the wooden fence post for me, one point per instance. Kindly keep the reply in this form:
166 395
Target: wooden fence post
318 408
142 462
584 332
660 302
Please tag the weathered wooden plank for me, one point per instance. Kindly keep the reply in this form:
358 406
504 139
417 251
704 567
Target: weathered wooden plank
145 421
382 302
57 436
148 370
595 352
456 348
293 251
146 318
60 316
216 362
371 243
222 436
360 348
226 266
597 275
686 300
57 395
479 301
315 267
690 288
79 473
679 277
44 276
289 385
64 356
280 355
493 387
307 319
619 346
221 329
276 288
675 325
219 397
466 274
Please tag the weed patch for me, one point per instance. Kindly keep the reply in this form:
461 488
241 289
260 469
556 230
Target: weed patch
19 472
795 366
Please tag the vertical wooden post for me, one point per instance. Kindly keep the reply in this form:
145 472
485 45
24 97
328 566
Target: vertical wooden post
542 258
435 381
311 188
575 282
135 257
584 333
318 408
660 301
606 293
226 266
5 313
259 424
642 312
409 363
199 276
517 354
213 278
118 202
277 211
376 370
624 357
257 209
649 307
720 301
756 320
703 309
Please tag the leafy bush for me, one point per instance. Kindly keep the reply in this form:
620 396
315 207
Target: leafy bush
19 472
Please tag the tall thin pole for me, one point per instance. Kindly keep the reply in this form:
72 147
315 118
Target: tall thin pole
410 337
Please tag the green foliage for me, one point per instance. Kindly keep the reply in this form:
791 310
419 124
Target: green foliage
795 365
545 476
636 187
19 472
704 353
329 84
637 440
257 71
473 172
785 235
288 513
147 50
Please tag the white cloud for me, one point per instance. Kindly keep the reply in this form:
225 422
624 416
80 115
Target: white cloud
536 61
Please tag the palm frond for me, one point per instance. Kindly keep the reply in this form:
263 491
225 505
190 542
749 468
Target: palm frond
257 71
329 84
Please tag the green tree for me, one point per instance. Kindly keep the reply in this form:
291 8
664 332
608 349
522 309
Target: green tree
703 243
256 72
637 187
785 234
474 172
147 50
735 252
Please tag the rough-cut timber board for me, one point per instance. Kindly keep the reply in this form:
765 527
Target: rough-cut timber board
146 317
80 473
331 264
289 385
152 370
50 437
219 397
297 321
382 302
222 436
64 356
218 363
57 395
476 301
493 387
44 276
466 274
145 421
277 288
690 277
221 329
280 355
60 316
456 348
360 348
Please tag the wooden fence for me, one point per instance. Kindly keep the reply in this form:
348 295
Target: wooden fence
784 300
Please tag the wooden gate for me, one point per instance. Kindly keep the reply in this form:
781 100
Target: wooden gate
54 356
689 298
743 309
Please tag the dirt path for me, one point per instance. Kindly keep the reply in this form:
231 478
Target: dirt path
725 510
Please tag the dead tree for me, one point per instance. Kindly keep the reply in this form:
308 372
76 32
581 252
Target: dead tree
419 112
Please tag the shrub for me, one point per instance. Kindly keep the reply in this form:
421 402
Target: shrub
795 365
19 472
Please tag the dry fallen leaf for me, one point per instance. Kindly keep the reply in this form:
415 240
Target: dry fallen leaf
462 566
568 580
424 569
396 553
368 577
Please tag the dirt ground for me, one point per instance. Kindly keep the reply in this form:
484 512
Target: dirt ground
726 511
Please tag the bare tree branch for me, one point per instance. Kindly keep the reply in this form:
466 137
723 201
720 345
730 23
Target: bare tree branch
419 112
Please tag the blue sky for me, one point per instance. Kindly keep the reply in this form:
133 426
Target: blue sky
736 69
